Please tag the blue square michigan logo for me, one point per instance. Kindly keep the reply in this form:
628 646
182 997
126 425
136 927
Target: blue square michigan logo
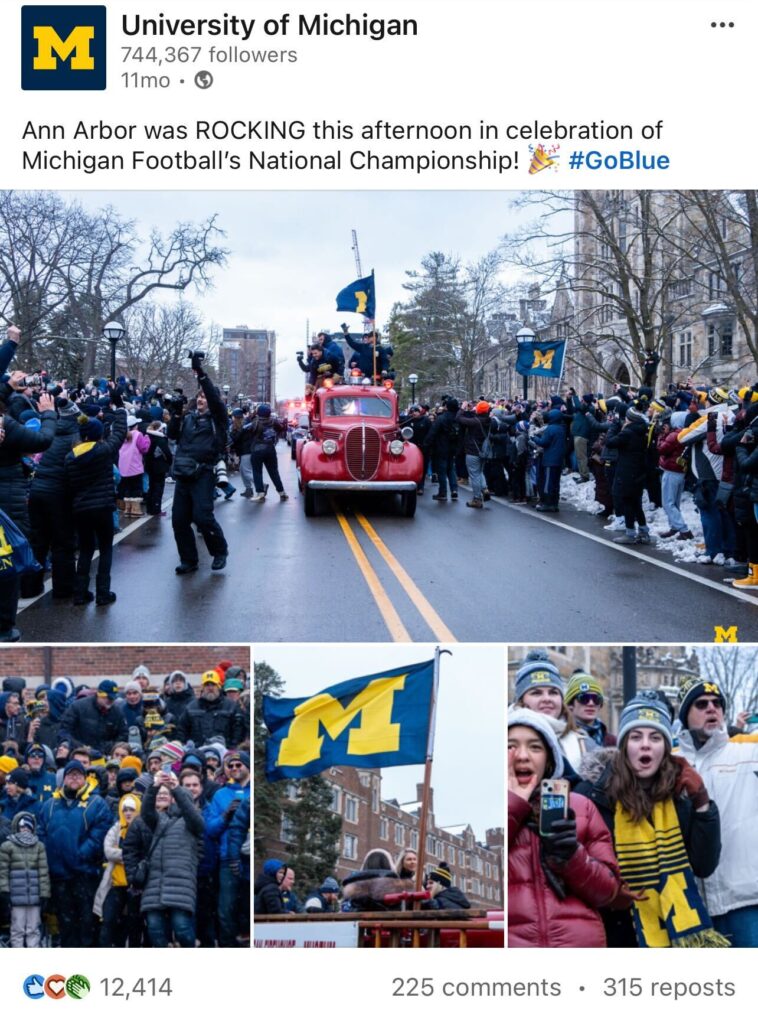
63 47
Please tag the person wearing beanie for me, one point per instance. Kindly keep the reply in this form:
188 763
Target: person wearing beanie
728 770
584 429
115 904
179 694
16 796
158 460
268 896
200 430
539 687
131 705
24 881
211 715
40 779
96 721
476 426
672 464
631 444
570 872
584 698
442 443
666 830
88 478
218 820
265 431
73 824
141 675
444 895
326 899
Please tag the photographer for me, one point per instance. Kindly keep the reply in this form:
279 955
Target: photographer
201 441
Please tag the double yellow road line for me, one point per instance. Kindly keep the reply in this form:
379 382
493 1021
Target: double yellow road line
389 613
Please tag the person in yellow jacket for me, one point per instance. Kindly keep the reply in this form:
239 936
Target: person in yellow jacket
114 904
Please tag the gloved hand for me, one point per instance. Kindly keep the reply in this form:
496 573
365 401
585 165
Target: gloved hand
691 784
561 843
230 811
196 363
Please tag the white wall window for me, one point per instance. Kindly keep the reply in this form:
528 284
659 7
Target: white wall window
384 828
488 869
399 834
414 839
350 846
286 830
336 799
685 348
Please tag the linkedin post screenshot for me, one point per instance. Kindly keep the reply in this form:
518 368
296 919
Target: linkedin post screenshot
383 373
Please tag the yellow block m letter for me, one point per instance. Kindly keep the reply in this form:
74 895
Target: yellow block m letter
725 634
376 734
543 359
76 43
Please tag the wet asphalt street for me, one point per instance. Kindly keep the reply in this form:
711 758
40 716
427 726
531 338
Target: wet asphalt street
362 573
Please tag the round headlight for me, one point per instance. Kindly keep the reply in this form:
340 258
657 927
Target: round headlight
329 447
396 447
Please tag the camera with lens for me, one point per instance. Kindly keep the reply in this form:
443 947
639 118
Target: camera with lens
194 355
173 404
32 380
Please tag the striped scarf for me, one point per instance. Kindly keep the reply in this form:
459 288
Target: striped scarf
652 857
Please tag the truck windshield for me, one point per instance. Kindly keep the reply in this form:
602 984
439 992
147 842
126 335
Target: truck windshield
358 405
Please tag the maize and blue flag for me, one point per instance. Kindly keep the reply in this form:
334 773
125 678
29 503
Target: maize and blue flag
540 358
373 721
359 297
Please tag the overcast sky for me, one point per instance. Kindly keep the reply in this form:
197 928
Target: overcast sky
469 759
291 251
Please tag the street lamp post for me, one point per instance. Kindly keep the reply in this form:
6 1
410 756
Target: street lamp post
413 381
525 337
114 332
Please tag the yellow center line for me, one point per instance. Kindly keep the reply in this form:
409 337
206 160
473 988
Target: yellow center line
428 614
392 620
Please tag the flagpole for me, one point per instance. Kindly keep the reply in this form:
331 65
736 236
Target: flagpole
427 787
563 365
373 336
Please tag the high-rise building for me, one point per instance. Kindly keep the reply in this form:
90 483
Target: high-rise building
247 363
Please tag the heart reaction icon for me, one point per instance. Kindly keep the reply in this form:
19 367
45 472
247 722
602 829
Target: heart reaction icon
55 986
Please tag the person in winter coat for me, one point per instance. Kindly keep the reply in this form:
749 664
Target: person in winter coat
476 429
406 865
131 466
211 714
266 431
673 468
326 899
267 894
552 441
539 687
728 770
631 442
88 470
442 440
191 778
24 880
96 721
13 722
665 827
558 882
49 511
179 694
739 443
584 698
115 904
238 852
241 443
16 796
445 895
170 894
158 461
420 424
72 825
47 733
221 812
14 491
41 781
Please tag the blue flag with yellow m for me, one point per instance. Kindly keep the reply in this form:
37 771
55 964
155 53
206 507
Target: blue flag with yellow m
358 297
540 358
373 721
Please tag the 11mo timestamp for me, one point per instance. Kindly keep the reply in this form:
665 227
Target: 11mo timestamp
119 988
134 80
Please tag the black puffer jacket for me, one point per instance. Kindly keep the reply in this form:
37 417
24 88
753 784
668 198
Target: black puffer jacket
268 896
49 477
631 468
475 429
177 849
204 719
89 470
448 899
84 724
14 484
202 438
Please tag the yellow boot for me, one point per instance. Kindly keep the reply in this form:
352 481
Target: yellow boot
749 582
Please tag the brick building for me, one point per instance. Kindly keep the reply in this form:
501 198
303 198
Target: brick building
89 665
369 821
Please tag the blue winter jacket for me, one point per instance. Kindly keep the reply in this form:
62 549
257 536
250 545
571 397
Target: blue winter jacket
218 827
42 785
553 439
11 806
73 832
237 834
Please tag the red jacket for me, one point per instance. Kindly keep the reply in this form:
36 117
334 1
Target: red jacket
536 915
669 451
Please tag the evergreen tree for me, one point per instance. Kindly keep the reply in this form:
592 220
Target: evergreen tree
268 795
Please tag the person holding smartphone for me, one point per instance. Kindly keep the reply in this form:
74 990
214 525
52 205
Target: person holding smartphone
666 830
565 867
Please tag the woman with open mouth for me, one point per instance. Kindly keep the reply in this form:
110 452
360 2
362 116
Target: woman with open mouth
557 881
666 830
540 687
